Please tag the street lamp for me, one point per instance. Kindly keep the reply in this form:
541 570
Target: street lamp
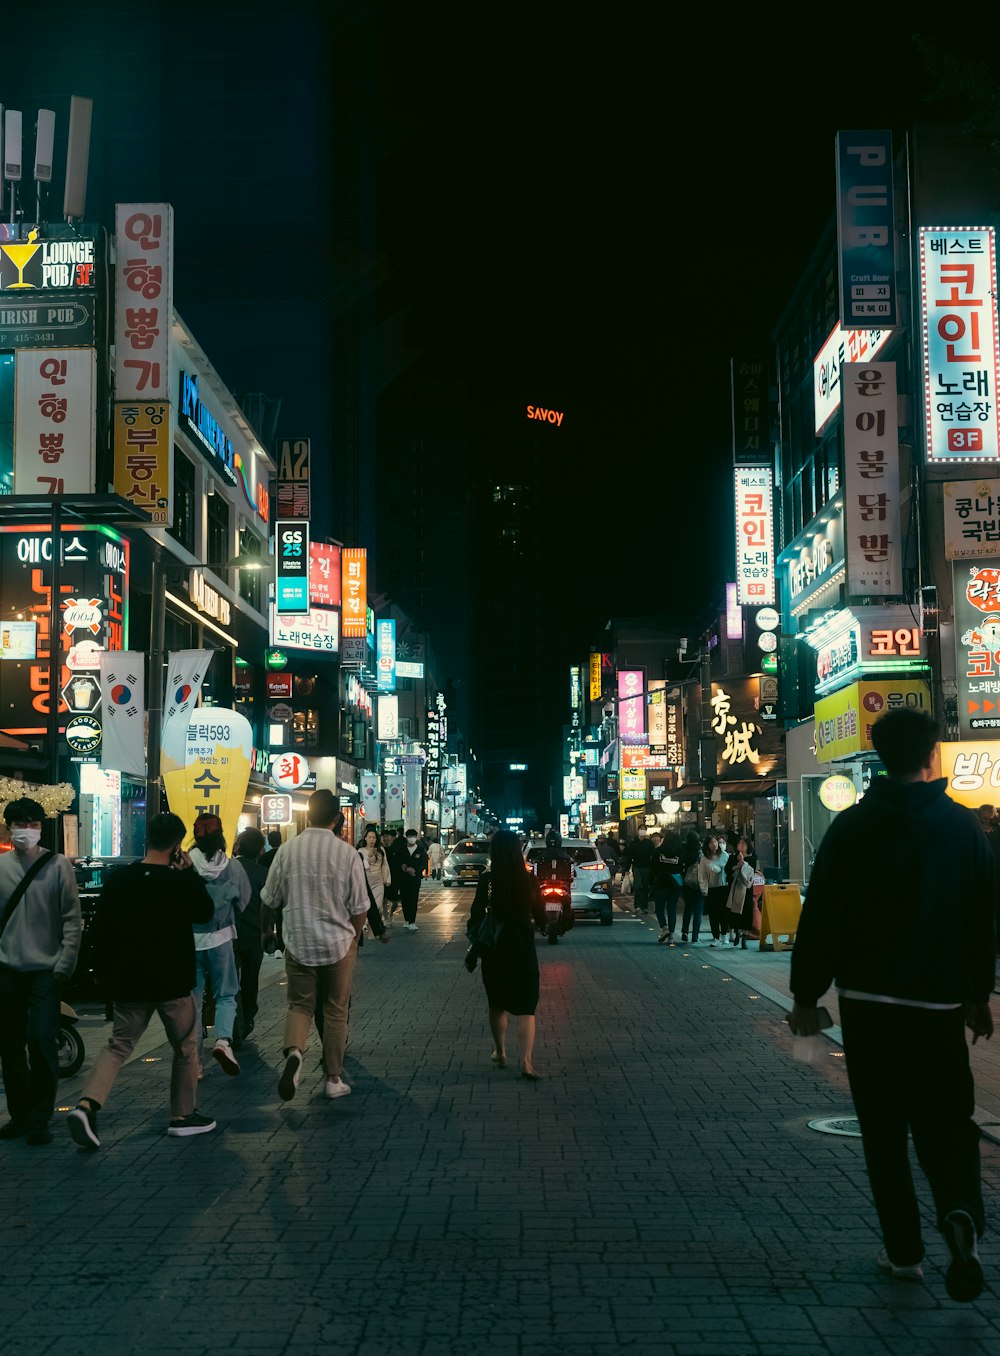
157 627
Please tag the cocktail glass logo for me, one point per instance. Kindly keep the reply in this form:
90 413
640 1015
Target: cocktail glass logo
37 265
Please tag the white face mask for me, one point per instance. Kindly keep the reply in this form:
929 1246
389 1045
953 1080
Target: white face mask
25 839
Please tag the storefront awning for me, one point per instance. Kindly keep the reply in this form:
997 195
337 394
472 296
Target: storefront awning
753 786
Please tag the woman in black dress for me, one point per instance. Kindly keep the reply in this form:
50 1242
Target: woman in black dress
510 968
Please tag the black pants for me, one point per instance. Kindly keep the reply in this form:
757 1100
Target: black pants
29 1043
717 896
251 953
693 906
640 888
409 893
909 1069
665 899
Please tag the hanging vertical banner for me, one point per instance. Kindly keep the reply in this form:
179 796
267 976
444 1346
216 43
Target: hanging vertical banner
124 712
292 483
324 575
55 414
751 421
144 269
354 591
596 687
977 647
872 522
371 796
385 654
215 770
866 229
393 791
631 701
958 320
291 566
754 535
143 454
388 719
186 671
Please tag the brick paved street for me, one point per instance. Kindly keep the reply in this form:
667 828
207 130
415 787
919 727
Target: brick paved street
658 1192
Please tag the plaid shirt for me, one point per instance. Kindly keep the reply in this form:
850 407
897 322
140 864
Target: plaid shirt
320 881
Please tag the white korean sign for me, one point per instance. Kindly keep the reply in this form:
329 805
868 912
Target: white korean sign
971 519
319 631
55 421
144 265
958 319
843 346
289 771
754 535
388 717
872 527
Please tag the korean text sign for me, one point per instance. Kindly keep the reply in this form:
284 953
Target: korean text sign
754 534
972 770
842 346
977 647
144 247
632 701
291 563
55 421
958 288
324 575
216 771
866 232
354 590
385 659
872 527
143 453
971 519
318 630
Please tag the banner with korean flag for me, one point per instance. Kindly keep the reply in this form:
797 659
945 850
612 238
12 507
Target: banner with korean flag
123 747
393 797
371 795
186 671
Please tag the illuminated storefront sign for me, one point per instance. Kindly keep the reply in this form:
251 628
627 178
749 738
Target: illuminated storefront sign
751 414
866 230
144 248
324 575
958 320
354 590
55 421
972 770
33 265
739 736
656 714
596 687
844 719
208 600
813 561
409 668
94 572
385 649
546 416
872 527
754 534
971 518
143 458
843 346
854 641
318 631
195 416
293 478
60 319
575 696
977 645
18 639
292 568
388 717
837 793
631 701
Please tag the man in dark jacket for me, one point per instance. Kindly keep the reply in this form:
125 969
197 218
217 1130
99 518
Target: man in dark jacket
411 862
639 860
899 915
145 954
666 880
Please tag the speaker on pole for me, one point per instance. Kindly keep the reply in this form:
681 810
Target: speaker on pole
45 132
12 146
77 157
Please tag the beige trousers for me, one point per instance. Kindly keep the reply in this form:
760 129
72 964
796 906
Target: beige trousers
180 1022
333 982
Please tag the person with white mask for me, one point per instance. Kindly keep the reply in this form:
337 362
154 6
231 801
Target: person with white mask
412 863
40 932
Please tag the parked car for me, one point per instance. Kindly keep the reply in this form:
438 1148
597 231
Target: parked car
466 862
592 887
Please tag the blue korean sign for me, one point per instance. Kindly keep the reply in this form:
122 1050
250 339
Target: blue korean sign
291 563
866 231
385 650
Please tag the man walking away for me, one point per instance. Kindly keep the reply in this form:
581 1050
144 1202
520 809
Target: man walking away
318 882
40 931
639 860
145 955
249 846
273 843
666 880
412 863
907 936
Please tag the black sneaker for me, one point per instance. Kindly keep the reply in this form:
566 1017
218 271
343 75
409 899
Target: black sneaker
290 1076
195 1124
40 1134
82 1125
964 1278
14 1130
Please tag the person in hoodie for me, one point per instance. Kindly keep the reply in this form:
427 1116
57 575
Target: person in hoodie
666 879
215 955
899 915
639 860
412 863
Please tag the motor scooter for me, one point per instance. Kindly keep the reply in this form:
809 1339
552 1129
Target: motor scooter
557 901
71 1051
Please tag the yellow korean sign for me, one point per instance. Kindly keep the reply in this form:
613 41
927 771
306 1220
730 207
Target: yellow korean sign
142 457
844 719
972 769
595 678
216 771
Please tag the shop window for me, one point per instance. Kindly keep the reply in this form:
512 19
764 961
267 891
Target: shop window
183 529
218 530
305 729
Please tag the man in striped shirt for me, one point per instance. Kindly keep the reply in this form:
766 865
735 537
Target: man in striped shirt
317 882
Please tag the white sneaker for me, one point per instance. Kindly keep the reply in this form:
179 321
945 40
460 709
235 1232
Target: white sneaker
336 1087
910 1273
224 1054
412 927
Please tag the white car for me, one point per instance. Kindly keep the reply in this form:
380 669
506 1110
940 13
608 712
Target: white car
465 862
592 887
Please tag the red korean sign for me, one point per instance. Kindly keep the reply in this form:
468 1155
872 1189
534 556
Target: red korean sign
54 421
354 591
754 535
144 244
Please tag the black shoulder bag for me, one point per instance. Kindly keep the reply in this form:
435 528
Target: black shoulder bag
20 889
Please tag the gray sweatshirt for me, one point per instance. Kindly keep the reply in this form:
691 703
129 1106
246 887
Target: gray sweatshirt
45 929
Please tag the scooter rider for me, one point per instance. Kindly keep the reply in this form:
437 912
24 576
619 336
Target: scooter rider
557 866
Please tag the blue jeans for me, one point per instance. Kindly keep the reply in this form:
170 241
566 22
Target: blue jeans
29 1043
218 964
666 895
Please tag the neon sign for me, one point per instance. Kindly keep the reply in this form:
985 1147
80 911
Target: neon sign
546 416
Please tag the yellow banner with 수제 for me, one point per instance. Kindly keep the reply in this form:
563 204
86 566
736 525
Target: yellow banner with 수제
216 771
844 719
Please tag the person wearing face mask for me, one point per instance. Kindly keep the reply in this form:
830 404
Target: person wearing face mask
40 932
412 863
215 955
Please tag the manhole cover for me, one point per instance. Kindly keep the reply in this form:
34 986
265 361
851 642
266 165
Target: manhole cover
837 1125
